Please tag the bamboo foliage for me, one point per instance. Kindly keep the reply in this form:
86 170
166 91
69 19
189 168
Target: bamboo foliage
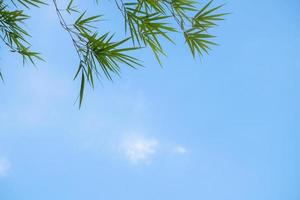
147 23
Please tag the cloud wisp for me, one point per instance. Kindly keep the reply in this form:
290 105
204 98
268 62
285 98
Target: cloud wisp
180 150
4 167
139 149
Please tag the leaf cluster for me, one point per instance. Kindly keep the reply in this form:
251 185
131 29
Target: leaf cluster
12 33
147 23
97 54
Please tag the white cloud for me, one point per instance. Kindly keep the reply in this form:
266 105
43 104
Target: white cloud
139 149
4 167
180 150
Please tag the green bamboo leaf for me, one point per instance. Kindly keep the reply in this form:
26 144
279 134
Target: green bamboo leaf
81 89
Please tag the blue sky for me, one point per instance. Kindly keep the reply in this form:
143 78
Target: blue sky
225 127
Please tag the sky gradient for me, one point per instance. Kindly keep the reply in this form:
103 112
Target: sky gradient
226 127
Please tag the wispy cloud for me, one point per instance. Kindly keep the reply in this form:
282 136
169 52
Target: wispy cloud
30 112
179 150
4 167
139 149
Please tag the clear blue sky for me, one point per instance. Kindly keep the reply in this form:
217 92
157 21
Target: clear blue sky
223 128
